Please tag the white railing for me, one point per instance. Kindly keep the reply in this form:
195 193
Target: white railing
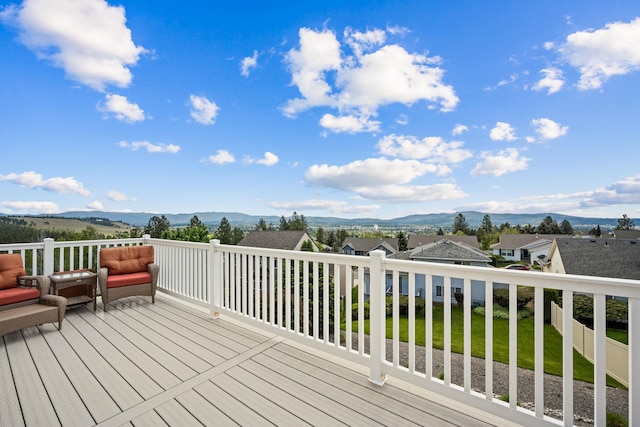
306 296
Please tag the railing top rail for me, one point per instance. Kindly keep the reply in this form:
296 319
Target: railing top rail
572 282
5 247
299 255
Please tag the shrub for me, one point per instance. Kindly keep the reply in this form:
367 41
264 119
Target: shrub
403 305
501 297
354 310
617 311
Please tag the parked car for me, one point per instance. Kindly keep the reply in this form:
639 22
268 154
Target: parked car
517 267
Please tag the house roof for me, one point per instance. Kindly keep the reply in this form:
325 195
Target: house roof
367 244
517 241
444 249
416 240
617 258
273 239
627 234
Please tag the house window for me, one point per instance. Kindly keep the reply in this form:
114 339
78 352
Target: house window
506 252
438 291
462 262
455 291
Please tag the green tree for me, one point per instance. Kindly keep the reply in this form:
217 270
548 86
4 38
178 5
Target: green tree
565 227
625 223
548 226
262 225
402 241
224 232
157 226
307 246
320 236
236 235
460 224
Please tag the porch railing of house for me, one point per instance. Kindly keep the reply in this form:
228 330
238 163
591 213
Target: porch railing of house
306 297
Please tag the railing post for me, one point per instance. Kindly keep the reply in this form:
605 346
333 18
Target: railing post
634 363
377 318
215 277
146 238
47 266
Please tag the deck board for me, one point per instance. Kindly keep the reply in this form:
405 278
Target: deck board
9 404
69 406
195 355
95 397
37 409
143 384
204 410
144 364
123 394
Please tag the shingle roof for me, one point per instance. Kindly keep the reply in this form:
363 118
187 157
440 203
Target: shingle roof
367 244
416 240
617 258
516 241
444 249
627 234
273 239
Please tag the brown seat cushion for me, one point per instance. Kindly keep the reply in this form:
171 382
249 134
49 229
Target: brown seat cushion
126 259
10 269
13 295
118 280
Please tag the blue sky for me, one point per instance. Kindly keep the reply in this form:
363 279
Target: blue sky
351 109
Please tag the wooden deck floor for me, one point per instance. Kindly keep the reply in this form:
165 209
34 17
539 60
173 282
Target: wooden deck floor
167 364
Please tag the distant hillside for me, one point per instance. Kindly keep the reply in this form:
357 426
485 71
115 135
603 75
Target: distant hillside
411 222
72 223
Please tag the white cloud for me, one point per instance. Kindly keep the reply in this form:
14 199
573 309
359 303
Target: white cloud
349 124
32 179
269 159
361 42
335 206
459 129
624 192
382 179
248 63
151 148
95 206
88 39
502 132
203 111
552 81
601 54
402 119
35 207
220 158
548 129
357 85
121 109
118 196
505 161
432 149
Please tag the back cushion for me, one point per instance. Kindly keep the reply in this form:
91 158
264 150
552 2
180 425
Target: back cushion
127 259
10 269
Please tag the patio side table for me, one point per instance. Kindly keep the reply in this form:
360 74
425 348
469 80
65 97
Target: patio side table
78 286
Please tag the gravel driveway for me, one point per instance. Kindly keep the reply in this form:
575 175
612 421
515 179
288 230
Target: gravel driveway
617 399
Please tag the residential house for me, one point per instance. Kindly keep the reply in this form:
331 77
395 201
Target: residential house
275 239
626 234
442 251
416 240
617 258
363 245
519 247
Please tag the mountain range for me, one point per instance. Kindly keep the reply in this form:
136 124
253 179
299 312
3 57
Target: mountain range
412 222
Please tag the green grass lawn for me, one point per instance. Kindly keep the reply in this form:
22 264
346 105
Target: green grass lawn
582 368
